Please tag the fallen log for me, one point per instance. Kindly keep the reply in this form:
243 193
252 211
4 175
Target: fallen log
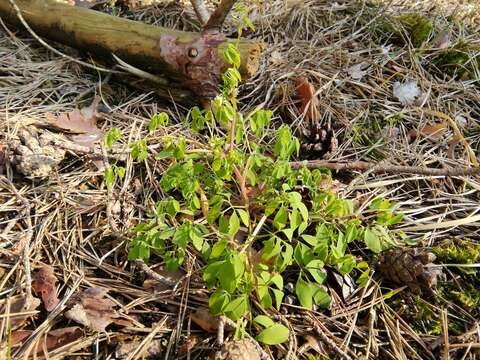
185 59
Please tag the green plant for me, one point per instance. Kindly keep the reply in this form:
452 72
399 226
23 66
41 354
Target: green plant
253 220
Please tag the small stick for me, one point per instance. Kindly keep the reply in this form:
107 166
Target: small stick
379 168
201 11
218 17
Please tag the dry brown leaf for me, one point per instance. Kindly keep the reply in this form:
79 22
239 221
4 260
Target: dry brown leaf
91 309
18 306
51 341
434 132
43 284
204 318
82 123
308 100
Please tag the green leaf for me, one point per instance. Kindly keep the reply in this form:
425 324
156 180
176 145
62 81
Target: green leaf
237 308
119 171
109 176
218 249
278 294
322 298
315 267
274 335
363 278
288 233
303 254
304 292
263 320
244 216
271 248
112 136
281 218
232 55
248 22
233 224
372 240
157 120
217 302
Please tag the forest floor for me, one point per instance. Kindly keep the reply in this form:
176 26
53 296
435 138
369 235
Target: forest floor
359 83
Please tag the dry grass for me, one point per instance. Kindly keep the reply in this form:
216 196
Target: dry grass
78 225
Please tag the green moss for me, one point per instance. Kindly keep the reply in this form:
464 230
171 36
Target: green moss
460 60
459 252
409 27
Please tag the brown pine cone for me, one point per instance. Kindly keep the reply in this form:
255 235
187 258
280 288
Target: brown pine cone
410 267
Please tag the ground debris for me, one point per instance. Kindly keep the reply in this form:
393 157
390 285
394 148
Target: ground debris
34 153
91 309
238 350
411 267
151 350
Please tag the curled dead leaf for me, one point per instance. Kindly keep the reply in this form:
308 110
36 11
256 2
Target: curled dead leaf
308 100
43 284
91 309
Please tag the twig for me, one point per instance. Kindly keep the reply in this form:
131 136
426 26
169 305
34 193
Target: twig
59 53
242 184
446 343
379 168
27 238
218 17
331 343
201 10
221 331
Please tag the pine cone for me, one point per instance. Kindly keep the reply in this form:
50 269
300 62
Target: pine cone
34 153
410 267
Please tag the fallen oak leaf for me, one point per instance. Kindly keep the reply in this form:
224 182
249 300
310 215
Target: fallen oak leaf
435 132
49 341
80 122
308 100
18 310
43 284
91 309
204 319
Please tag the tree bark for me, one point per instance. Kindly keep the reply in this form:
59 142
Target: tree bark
186 59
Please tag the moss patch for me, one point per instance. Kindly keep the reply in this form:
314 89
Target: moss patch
459 61
409 27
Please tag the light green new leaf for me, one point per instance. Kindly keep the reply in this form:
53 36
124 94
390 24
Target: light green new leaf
372 240
264 320
274 335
